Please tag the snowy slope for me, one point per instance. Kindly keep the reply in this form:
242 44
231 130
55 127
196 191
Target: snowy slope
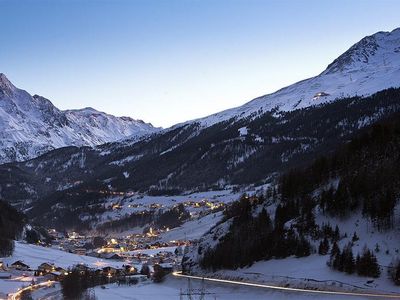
35 255
312 271
371 65
32 125
171 288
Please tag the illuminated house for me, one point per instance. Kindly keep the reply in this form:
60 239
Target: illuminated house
320 95
45 268
20 265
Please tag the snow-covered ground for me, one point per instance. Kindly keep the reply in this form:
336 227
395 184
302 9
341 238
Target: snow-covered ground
33 256
308 272
313 272
192 230
139 203
153 251
11 285
171 287
388 241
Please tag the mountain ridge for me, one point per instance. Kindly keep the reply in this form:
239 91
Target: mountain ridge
32 125
370 65
334 82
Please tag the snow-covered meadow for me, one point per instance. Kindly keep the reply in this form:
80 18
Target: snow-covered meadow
171 288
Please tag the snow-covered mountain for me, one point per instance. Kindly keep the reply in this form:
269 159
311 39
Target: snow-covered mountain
266 136
371 65
32 125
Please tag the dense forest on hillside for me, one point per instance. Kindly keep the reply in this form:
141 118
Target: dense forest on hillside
366 172
252 237
11 225
360 175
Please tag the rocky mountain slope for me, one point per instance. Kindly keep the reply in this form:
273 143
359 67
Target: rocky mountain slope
32 125
242 146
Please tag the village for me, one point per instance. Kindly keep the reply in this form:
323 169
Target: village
124 259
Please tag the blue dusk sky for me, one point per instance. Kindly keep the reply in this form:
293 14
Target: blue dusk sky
168 61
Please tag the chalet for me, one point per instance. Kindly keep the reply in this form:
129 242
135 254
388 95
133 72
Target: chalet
45 268
54 276
61 270
114 256
319 95
110 271
82 268
20 265
128 269
133 279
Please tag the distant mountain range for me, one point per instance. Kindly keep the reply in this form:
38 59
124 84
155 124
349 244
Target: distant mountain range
241 146
32 125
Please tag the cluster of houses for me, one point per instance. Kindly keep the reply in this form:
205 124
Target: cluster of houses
49 271
195 207
75 243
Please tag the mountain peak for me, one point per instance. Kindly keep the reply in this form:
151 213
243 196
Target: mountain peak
376 46
359 52
5 85
32 125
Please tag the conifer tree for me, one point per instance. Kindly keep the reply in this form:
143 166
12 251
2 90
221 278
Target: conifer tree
323 248
355 238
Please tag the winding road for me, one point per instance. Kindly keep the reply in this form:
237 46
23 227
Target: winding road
16 295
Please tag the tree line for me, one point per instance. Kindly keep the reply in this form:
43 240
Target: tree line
362 174
11 225
365 264
252 238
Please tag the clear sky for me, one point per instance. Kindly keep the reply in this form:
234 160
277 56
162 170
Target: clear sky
168 61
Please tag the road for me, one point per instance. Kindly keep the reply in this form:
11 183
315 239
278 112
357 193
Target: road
288 289
16 295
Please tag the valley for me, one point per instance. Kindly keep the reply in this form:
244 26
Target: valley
293 195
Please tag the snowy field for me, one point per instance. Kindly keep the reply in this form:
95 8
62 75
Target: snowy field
35 255
193 229
313 272
308 272
153 251
171 287
11 285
